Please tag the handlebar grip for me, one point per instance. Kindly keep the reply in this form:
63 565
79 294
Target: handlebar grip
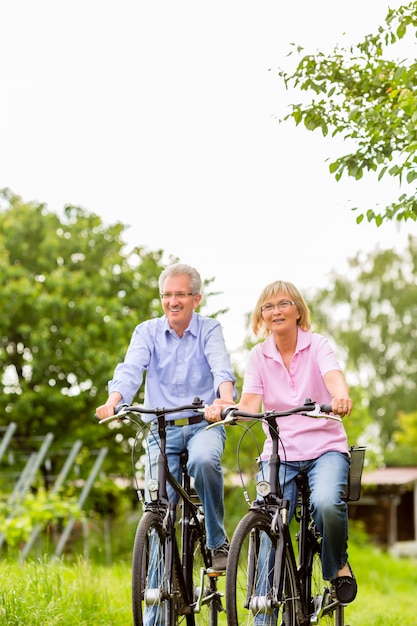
117 410
326 408
225 412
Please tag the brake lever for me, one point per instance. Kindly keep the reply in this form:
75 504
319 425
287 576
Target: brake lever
229 419
317 413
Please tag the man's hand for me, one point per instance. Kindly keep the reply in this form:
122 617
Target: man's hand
213 412
106 410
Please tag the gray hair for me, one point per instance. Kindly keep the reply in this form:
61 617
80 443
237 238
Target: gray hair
181 268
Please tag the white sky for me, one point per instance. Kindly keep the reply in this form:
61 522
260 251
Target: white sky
162 115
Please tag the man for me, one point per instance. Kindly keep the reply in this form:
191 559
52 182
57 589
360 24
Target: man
184 355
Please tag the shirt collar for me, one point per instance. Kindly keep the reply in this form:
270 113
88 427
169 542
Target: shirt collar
303 341
191 328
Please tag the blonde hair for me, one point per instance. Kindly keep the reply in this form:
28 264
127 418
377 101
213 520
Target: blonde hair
258 324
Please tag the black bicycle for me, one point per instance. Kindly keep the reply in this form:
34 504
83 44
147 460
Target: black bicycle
266 583
172 581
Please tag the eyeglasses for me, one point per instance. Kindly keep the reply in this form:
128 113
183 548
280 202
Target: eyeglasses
167 295
284 304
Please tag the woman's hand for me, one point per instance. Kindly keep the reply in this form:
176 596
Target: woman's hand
341 405
336 384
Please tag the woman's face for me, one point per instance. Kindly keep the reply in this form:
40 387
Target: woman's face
280 313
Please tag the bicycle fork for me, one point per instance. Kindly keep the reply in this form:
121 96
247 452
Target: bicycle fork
270 560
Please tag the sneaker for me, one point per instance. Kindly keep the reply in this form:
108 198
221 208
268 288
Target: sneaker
345 588
219 557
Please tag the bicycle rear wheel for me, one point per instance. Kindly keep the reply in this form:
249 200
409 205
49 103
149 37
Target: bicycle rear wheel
152 603
206 600
249 576
326 611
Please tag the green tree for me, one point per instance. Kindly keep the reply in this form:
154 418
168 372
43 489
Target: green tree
370 311
407 432
71 296
404 450
371 101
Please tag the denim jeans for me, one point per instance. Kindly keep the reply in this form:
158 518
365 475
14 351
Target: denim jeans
205 448
327 477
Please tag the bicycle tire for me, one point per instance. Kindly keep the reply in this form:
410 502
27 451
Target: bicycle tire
326 611
248 600
205 596
152 601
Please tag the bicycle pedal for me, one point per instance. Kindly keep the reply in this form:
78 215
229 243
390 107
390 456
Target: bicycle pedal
212 573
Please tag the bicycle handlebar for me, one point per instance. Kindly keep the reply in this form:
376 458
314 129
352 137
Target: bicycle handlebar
123 410
231 414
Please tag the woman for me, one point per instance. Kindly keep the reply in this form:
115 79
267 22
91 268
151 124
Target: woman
290 365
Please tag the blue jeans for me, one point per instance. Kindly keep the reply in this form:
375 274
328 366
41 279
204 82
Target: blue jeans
205 448
327 477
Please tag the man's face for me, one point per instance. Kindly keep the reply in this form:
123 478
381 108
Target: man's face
177 303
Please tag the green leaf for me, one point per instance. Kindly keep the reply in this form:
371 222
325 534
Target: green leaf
368 99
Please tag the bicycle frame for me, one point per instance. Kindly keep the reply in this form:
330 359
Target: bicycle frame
278 507
191 515
169 585
307 540
308 606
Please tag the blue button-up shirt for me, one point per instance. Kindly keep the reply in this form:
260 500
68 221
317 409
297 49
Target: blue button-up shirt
177 368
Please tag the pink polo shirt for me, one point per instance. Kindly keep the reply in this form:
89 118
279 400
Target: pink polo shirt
303 438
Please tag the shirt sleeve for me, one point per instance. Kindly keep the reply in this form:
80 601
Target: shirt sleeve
252 382
128 375
218 357
326 357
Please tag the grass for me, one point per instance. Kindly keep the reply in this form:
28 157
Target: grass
386 589
52 594
42 593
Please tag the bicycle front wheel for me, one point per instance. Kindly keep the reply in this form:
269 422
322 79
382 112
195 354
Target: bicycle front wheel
250 573
152 602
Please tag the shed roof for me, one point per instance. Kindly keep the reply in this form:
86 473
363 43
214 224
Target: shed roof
390 476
